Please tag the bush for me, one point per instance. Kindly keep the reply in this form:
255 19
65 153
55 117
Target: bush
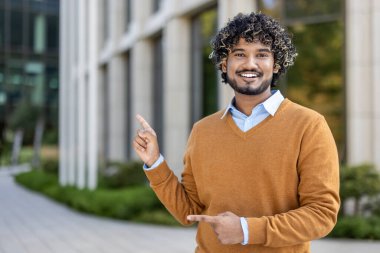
137 203
119 175
358 182
50 165
357 227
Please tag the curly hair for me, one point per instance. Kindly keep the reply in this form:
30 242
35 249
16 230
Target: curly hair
254 27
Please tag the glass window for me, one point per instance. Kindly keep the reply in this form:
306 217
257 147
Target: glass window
15 73
156 5
16 29
16 3
129 116
106 29
2 27
105 112
52 77
2 76
158 92
204 89
128 13
52 33
39 33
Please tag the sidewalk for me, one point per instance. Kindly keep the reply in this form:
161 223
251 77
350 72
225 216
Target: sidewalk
31 223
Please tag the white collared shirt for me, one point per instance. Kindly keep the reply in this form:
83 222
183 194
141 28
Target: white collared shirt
258 114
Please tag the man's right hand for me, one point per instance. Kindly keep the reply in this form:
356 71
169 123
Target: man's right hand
145 143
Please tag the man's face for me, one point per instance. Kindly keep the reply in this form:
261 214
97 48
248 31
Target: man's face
249 67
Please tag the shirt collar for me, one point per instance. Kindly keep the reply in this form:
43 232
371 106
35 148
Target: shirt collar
271 105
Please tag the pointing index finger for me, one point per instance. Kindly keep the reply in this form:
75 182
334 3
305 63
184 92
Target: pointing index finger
143 122
205 218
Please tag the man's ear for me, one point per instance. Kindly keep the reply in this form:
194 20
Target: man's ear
276 68
223 66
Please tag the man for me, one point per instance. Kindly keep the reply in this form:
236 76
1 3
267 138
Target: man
261 175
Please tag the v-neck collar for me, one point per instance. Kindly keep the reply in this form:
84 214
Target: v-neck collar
251 131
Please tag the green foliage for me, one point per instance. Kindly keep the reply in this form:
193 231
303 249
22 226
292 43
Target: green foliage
316 79
119 175
50 165
136 203
50 137
37 180
24 116
357 182
357 227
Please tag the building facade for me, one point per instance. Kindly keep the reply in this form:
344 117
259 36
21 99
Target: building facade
29 60
120 58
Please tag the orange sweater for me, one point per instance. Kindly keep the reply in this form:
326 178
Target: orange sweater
283 175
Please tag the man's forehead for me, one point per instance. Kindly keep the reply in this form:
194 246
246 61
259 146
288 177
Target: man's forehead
256 42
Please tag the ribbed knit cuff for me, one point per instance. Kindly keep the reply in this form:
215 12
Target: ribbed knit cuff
159 174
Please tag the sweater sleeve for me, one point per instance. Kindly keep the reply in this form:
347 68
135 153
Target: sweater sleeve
318 191
180 198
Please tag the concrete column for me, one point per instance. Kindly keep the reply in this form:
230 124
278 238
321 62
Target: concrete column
141 61
92 91
362 66
116 109
141 68
376 80
72 101
176 87
81 96
63 94
227 10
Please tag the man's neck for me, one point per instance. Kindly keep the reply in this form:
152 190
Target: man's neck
246 103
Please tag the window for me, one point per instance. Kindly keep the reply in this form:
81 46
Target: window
39 34
129 117
204 90
52 34
2 28
156 5
105 107
158 89
106 30
128 13
16 30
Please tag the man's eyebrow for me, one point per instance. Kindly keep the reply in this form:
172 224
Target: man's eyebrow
237 49
265 50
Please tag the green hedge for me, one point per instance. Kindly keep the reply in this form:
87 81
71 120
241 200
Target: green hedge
137 203
357 227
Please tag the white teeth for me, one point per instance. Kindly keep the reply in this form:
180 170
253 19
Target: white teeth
249 75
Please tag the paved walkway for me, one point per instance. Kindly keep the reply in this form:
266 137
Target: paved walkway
31 223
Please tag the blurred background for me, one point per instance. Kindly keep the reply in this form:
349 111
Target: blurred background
73 75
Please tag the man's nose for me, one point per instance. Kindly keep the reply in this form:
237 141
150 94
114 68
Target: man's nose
251 62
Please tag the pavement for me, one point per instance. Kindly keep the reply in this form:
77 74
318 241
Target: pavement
32 223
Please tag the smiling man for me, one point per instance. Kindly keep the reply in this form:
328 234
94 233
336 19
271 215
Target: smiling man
261 175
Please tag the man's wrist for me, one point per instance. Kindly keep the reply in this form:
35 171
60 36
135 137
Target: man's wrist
150 163
155 164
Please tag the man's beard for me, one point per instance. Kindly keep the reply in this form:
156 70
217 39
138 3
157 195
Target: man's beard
247 89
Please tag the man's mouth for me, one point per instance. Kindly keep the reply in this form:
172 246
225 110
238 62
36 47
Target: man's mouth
249 74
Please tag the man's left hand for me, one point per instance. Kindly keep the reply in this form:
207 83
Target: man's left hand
226 226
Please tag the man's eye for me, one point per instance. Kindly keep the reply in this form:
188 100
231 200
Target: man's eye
262 55
239 54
